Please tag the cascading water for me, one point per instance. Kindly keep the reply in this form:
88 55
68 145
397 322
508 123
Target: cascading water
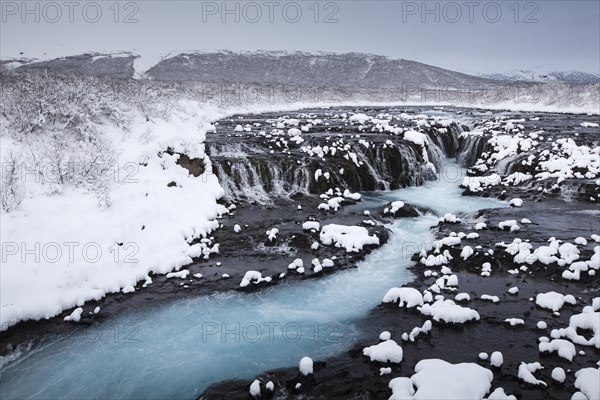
177 350
249 170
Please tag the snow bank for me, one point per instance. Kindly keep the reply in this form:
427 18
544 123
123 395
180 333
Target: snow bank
93 250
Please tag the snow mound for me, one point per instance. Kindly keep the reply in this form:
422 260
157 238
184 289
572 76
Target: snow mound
554 301
564 348
440 380
253 275
352 238
587 380
526 371
449 312
306 366
387 351
405 296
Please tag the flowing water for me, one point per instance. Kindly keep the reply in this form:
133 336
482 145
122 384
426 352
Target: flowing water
177 350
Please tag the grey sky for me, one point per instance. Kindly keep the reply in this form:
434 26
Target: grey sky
565 36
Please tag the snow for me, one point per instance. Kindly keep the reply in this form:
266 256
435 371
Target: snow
483 356
493 299
405 296
352 238
172 217
499 394
255 389
516 202
553 300
451 218
270 386
513 290
402 389
449 312
272 234
564 348
75 316
507 224
514 321
416 137
396 205
385 371
386 351
253 275
297 263
542 325
306 366
180 274
559 375
589 320
385 335
496 359
309 225
462 297
587 380
440 380
526 372
466 252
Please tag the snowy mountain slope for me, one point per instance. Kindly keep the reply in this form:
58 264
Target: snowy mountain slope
300 68
116 65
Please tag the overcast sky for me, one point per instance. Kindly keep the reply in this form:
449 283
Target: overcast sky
468 36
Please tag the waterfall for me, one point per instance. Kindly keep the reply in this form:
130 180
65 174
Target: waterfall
250 170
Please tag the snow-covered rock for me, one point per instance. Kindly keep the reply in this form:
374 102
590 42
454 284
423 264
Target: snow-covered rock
386 351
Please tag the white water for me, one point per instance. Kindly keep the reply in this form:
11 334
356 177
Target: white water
168 351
